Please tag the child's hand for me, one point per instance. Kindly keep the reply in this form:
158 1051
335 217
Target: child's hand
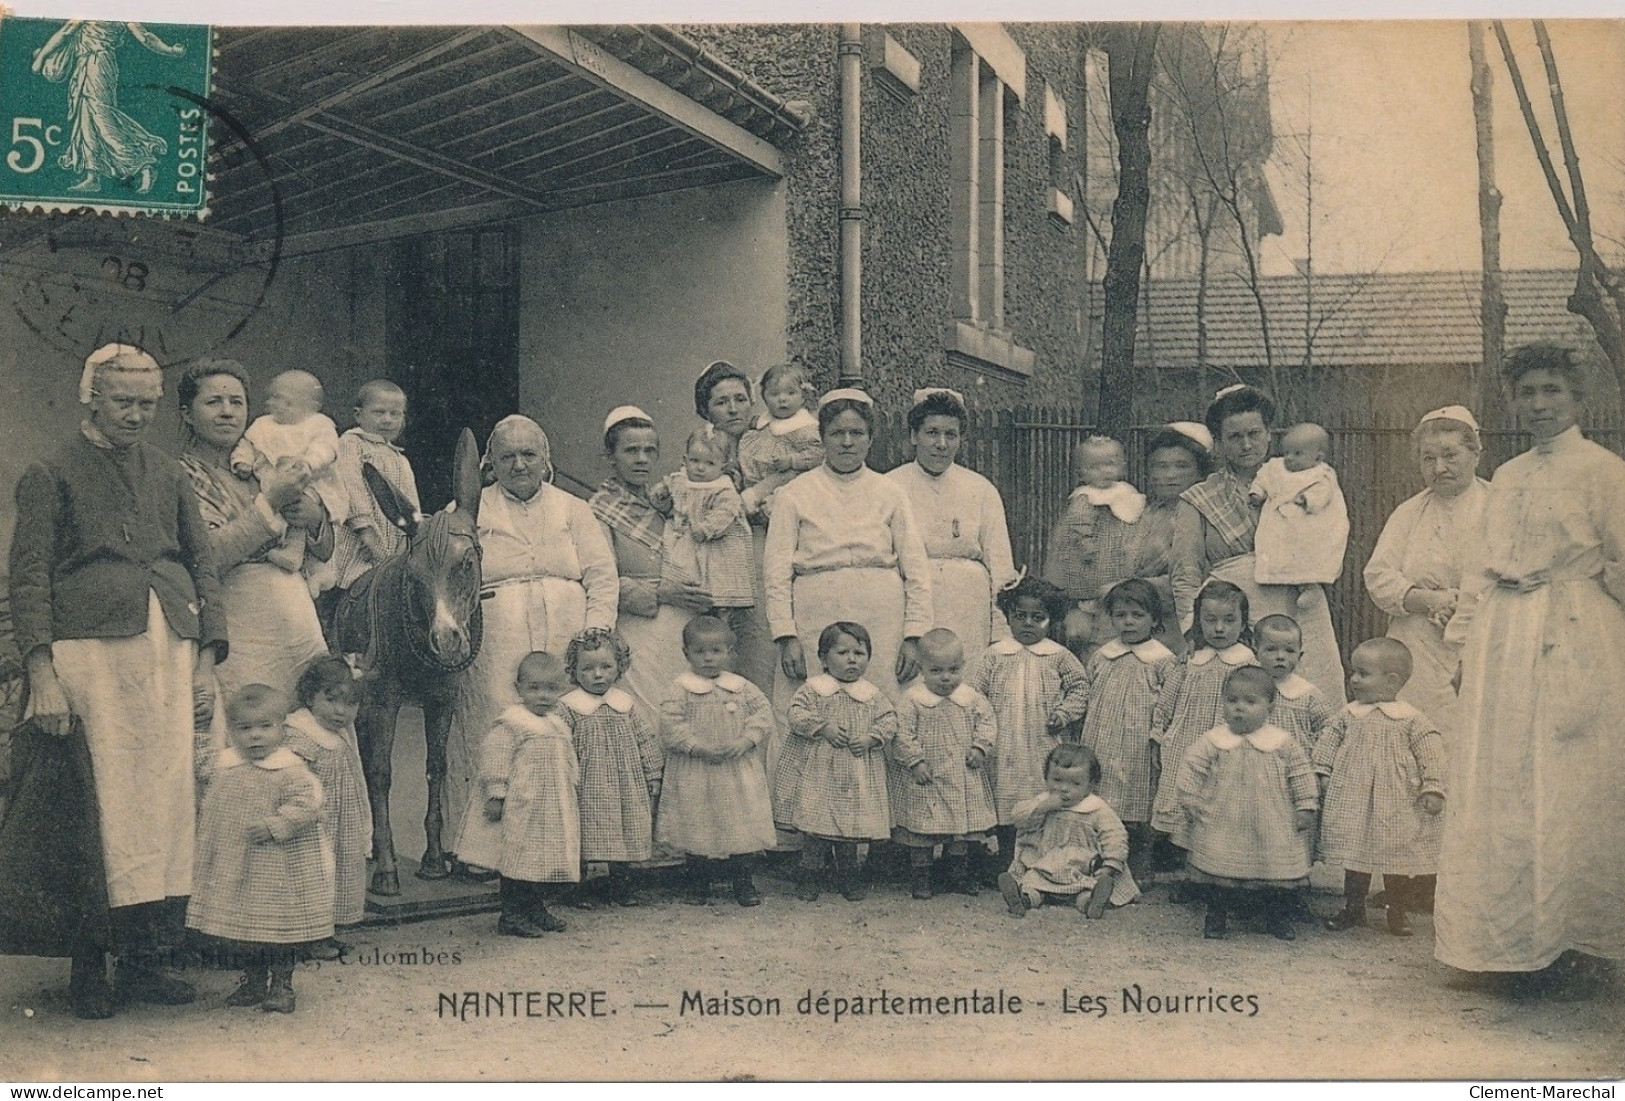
1101 896
1432 802
921 773
1303 820
260 834
859 746
1059 720
373 544
1321 781
974 757
739 747
654 789
836 735
493 809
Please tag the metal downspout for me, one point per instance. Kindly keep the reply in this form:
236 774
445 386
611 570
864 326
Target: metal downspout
851 214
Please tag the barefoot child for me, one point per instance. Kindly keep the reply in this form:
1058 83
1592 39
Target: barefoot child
1381 763
1069 844
262 874
1303 528
937 779
1038 690
621 762
830 783
1300 708
1126 677
787 444
1247 792
322 733
714 803
528 825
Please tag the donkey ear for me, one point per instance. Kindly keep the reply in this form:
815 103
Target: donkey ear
465 476
397 509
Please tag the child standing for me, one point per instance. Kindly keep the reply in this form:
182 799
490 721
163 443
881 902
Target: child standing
297 436
366 537
708 539
1125 680
1037 688
1192 700
1248 794
937 779
1381 763
1303 530
1070 844
263 871
830 783
773 452
1088 552
322 733
1300 709
621 762
528 826
714 803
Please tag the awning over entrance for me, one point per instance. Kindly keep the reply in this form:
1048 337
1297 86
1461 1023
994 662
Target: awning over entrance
364 134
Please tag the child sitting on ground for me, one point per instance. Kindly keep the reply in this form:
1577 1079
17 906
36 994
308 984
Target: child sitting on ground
1248 795
1069 844
937 776
1303 528
707 539
528 825
1088 552
262 876
786 444
297 436
1381 764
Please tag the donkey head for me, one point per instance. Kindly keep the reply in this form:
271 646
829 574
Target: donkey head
442 556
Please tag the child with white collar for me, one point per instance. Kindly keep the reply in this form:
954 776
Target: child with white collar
263 872
830 781
937 779
1300 708
1381 766
1247 792
708 540
1192 700
621 762
1126 677
714 803
1088 552
784 444
1070 846
1038 690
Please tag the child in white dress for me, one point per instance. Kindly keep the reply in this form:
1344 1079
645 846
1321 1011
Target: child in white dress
296 436
829 784
263 870
785 444
528 825
1303 528
1070 845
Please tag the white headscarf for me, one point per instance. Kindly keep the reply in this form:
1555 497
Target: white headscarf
113 357
518 420
624 413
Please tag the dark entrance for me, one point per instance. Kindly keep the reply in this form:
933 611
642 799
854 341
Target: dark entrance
452 324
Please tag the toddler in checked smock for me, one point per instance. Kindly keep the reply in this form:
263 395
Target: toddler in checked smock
708 540
1303 530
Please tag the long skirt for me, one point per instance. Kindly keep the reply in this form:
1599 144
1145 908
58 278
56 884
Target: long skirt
962 596
1321 666
1433 664
756 657
657 655
542 613
134 698
1530 864
272 624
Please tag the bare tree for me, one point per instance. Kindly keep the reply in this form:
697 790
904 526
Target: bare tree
1492 310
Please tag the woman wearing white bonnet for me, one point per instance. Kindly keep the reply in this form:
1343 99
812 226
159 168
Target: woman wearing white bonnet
1415 571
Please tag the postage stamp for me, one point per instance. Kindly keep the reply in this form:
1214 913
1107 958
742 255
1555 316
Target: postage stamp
105 116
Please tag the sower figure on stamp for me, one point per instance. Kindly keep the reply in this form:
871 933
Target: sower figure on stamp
113 594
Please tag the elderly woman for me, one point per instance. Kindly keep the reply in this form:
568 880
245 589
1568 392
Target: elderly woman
547 574
722 397
1213 536
652 612
1531 872
843 544
114 602
249 509
1415 570
1177 457
961 520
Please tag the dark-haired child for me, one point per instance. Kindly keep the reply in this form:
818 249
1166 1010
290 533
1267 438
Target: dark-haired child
1247 792
1069 844
621 763
714 803
1125 680
1301 709
830 782
1038 690
322 733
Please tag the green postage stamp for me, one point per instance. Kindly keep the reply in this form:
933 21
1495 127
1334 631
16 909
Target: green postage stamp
109 116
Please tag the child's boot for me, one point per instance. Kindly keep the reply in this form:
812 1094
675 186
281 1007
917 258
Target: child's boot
540 916
745 893
849 872
1399 897
622 890
698 892
1355 887
919 873
810 869
1014 897
515 920
253 988
1217 921
279 998
956 859
1279 915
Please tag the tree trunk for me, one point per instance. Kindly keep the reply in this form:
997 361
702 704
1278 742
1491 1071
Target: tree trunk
1492 304
1130 54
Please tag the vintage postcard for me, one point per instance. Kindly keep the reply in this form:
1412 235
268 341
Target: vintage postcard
701 551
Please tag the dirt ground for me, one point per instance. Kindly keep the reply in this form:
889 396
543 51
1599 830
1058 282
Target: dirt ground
1353 1005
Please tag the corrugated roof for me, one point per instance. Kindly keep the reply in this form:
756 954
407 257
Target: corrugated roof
1382 319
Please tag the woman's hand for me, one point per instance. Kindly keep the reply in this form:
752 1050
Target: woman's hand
654 789
792 660
908 660
260 834
1432 603
974 757
1303 820
1455 680
203 690
685 595
1058 721
305 511
46 700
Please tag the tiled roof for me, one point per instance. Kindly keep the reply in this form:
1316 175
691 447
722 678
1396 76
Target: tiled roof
1400 319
